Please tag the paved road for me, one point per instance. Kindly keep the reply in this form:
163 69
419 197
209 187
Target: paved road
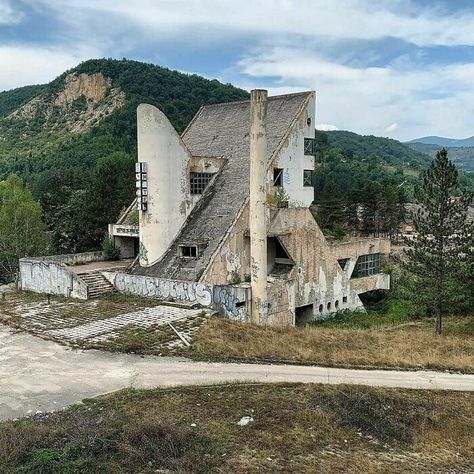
39 375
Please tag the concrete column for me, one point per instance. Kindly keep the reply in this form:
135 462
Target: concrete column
258 199
169 200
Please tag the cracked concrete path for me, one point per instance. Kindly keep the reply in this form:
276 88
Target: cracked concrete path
38 375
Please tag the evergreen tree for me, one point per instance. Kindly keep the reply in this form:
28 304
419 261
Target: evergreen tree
441 256
22 233
331 206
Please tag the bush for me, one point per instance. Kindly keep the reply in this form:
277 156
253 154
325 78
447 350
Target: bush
111 252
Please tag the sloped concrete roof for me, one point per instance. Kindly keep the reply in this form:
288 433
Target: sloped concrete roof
222 130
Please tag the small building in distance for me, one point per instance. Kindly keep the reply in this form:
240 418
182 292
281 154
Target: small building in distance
191 223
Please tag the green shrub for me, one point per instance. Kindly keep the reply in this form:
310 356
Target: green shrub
111 252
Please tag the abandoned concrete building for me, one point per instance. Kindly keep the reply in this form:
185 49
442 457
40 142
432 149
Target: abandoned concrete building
222 218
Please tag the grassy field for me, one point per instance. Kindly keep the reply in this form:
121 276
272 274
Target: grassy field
295 428
357 340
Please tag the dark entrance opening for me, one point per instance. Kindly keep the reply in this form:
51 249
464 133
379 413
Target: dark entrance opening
304 314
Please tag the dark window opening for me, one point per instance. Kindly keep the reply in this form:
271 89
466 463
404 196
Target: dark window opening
304 314
321 307
188 251
239 304
343 263
309 146
308 178
367 265
199 181
336 304
328 306
344 299
277 177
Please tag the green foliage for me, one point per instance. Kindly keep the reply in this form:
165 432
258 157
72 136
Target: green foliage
359 191
441 257
22 233
83 181
111 252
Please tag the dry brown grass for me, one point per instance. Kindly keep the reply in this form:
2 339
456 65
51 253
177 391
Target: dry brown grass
296 429
407 345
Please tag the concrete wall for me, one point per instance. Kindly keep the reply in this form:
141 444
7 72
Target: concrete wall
169 199
72 258
293 161
230 301
50 277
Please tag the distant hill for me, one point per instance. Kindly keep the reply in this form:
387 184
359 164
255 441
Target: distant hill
391 151
74 140
462 157
445 142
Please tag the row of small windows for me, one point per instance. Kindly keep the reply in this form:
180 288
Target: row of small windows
329 305
278 177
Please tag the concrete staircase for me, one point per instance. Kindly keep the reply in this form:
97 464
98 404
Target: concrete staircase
97 285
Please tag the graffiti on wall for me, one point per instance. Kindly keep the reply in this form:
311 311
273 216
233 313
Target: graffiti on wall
163 289
228 300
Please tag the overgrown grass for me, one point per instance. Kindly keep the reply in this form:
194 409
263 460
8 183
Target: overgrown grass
359 340
296 428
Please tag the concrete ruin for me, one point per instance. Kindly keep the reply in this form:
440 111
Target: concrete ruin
226 205
222 220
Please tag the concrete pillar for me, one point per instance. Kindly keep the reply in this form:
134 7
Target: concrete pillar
258 199
169 200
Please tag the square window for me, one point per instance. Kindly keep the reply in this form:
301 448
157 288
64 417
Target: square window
199 181
308 178
277 176
188 251
309 146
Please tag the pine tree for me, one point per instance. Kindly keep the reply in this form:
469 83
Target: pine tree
441 256
331 206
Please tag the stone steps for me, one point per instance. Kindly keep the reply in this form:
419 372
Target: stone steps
97 285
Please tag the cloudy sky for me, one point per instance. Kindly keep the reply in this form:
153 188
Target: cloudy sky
398 68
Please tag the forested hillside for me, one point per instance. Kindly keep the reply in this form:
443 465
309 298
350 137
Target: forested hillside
462 157
74 140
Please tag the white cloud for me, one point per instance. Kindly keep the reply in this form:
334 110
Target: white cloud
326 127
25 65
356 19
8 14
420 101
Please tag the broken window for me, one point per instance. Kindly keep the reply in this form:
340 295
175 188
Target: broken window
188 251
277 177
343 263
199 181
308 178
367 265
309 146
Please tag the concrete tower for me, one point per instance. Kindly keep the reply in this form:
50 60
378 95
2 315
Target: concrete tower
258 199
166 180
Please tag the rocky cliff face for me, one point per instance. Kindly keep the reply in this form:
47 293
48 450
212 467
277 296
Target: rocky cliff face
93 87
84 100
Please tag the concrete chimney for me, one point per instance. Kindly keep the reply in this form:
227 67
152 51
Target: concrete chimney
258 199
162 183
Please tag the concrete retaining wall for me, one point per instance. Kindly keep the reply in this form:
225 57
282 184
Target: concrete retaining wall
50 277
72 258
228 300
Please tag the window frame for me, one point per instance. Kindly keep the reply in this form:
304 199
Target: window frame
305 179
309 146
198 182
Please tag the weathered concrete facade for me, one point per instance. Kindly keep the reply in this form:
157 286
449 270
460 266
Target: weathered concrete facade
224 220
248 226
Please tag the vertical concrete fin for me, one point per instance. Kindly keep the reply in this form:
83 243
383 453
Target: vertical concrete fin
258 199
169 200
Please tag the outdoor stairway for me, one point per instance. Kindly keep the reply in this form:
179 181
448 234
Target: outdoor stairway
97 285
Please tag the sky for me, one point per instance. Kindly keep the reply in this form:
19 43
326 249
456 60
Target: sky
394 68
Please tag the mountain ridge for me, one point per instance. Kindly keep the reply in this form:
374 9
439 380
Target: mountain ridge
444 141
